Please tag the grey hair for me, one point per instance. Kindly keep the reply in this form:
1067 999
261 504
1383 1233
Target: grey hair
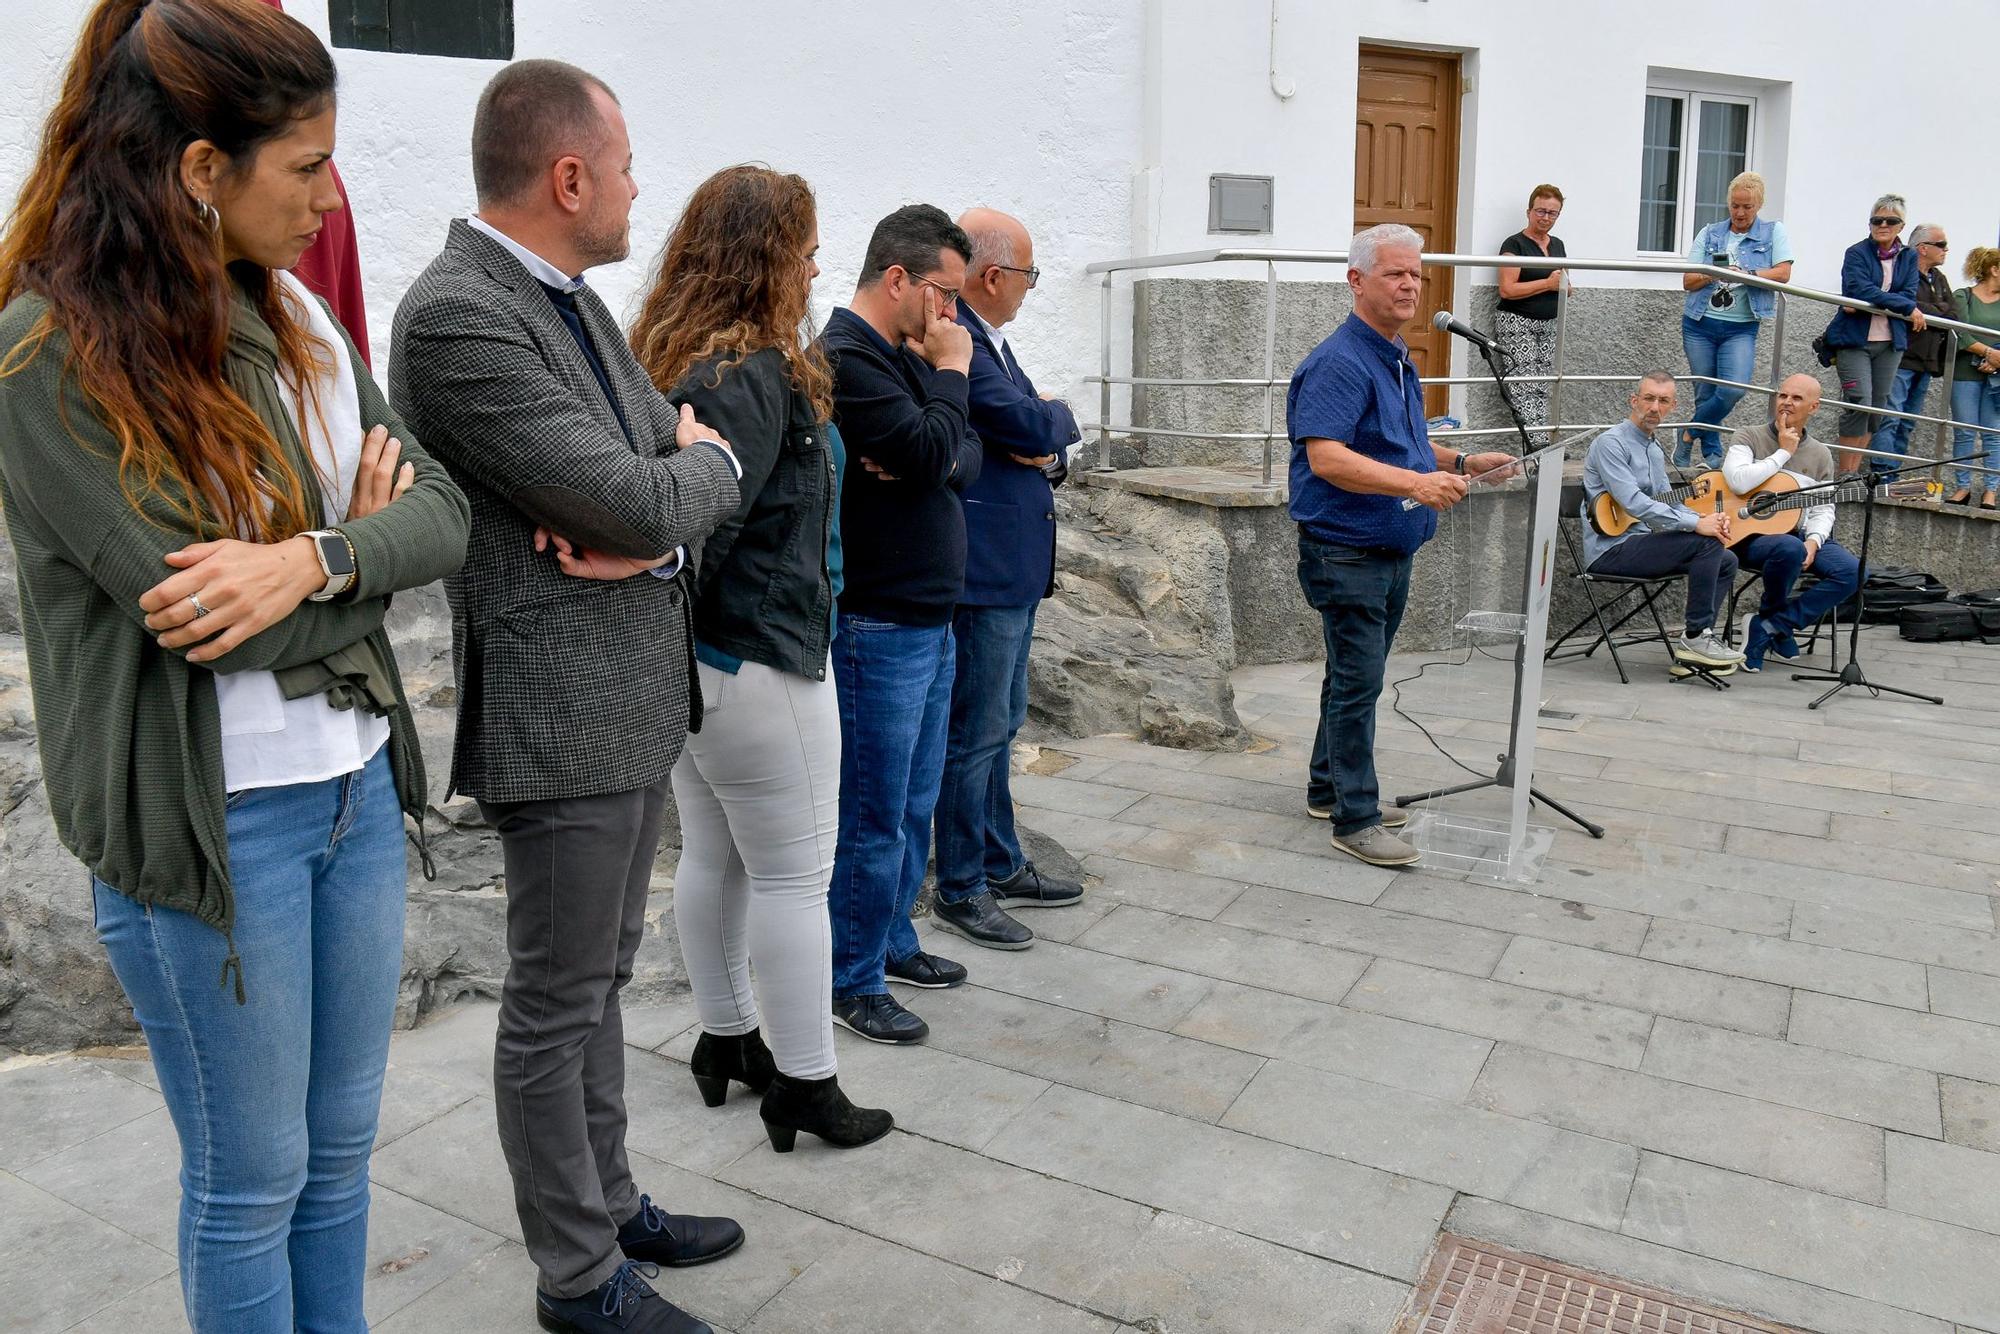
1894 203
1924 231
1361 254
990 245
1658 377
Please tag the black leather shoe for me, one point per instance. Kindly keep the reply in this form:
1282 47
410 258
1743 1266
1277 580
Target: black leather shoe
980 920
880 1019
657 1237
717 1060
926 970
818 1107
1029 888
624 1304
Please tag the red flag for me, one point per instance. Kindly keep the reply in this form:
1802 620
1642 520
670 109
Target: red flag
331 266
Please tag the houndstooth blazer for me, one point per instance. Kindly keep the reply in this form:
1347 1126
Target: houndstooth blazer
566 687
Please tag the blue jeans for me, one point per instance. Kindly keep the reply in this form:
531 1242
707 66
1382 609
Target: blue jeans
1976 401
1359 595
976 841
1905 395
894 684
1726 349
1780 557
275 1100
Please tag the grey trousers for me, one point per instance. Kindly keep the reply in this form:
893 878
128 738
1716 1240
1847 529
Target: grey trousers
1867 374
578 869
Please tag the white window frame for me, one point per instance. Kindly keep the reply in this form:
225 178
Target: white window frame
1691 99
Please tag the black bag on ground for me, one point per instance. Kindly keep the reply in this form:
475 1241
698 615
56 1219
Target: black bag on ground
1890 588
1984 604
1938 623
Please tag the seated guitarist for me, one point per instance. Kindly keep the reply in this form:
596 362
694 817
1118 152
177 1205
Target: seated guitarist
1755 456
1667 539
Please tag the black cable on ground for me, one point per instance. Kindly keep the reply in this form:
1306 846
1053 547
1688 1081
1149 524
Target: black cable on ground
1396 703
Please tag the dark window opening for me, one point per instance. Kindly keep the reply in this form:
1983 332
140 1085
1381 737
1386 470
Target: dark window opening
477 29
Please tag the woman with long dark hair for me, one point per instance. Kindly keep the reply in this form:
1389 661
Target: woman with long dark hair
724 328
207 537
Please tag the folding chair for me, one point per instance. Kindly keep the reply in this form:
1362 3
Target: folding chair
1646 591
1749 581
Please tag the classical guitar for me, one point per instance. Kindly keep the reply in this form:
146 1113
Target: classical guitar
1776 506
1609 518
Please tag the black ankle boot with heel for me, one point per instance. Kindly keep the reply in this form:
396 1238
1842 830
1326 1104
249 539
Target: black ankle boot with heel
818 1107
717 1060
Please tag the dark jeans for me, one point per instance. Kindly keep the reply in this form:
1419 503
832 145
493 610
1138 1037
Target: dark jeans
1359 595
578 872
989 702
894 684
1780 557
1709 565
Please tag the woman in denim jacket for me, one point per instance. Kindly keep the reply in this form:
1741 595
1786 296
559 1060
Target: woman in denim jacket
1719 320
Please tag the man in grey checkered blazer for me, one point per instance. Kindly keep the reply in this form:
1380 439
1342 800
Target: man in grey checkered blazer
573 653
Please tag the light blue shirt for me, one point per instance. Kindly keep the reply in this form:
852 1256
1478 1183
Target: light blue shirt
1738 310
1630 465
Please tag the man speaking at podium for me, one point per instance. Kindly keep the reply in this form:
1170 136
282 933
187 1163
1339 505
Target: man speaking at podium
1355 415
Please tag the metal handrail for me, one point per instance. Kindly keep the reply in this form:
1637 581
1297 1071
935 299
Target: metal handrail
1270 259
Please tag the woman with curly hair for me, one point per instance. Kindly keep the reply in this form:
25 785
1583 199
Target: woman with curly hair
209 514
724 329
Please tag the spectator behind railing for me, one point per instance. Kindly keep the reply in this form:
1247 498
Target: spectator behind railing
1719 320
1525 323
1880 270
1975 388
1923 359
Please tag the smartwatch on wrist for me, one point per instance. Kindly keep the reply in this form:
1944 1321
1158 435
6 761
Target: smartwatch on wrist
336 561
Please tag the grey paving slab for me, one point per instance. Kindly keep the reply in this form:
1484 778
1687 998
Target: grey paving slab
1863 1250
1525 914
1852 777
1115 747
412 1248
1316 873
1080 834
454 1164
1965 995
1942 869
62 1264
1216 950
1374 1220
129 1177
133 1063
455 1047
1640 984
1764 1139
1966 949
1328 1037
1365 930
1907 836
1967 790
495 1295
1062 925
52 1103
1291 831
1722 785
1250 794
1536 1166
1948 1182
1731 1287
1078 979
1102 798
1875 1093
154 1309
1673 899
1183 893
1590 794
665 1118
1971 1113
928 1090
1929 1042
1788 963
655 1024
908 1293
410 1098
1119 1060
1607 1033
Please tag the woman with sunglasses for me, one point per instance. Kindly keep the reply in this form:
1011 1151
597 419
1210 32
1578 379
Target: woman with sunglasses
1880 270
209 515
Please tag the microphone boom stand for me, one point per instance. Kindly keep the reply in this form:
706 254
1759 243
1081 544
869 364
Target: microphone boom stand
1505 776
1851 674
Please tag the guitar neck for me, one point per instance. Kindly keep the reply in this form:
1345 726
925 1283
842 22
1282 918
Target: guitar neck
1802 501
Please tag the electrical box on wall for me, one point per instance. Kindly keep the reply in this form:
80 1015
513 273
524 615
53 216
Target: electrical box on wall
1240 204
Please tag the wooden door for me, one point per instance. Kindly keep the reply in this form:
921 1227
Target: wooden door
1406 170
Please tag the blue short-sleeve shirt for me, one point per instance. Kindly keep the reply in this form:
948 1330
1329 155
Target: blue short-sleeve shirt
1361 389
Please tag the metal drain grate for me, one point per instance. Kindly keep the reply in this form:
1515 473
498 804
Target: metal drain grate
1473 1288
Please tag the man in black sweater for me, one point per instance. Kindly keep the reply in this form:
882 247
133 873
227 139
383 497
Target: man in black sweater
899 369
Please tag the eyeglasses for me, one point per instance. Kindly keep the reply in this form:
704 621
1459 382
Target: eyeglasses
1939 244
1545 212
1885 222
1034 275
947 295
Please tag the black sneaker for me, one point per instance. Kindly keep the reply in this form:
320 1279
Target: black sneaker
1029 888
980 920
926 970
624 1304
880 1019
676 1240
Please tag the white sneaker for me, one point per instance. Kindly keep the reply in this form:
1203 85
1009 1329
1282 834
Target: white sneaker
1707 650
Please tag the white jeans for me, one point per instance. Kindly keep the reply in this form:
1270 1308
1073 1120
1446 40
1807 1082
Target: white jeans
759 795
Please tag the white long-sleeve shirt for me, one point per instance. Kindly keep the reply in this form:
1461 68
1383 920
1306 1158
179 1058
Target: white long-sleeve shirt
1745 472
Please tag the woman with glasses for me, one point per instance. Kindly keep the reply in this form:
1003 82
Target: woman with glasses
1924 358
1720 319
725 329
1880 270
1525 323
1975 386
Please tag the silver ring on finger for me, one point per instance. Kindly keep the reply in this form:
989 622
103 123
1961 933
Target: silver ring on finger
194 600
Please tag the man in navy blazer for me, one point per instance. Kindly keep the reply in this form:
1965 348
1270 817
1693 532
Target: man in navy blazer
1010 532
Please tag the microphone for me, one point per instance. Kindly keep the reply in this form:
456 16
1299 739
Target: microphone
1444 323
